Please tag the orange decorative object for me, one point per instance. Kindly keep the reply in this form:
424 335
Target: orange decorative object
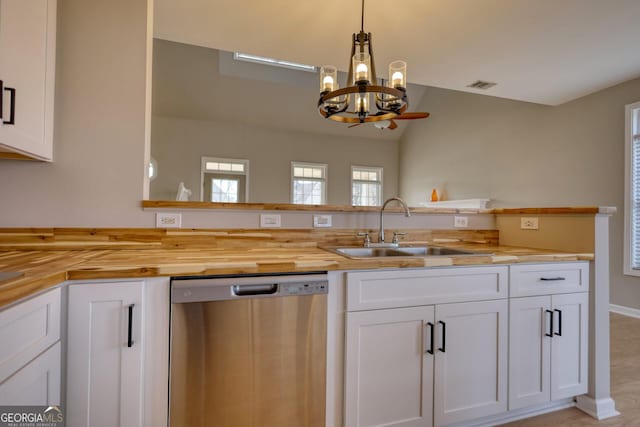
434 195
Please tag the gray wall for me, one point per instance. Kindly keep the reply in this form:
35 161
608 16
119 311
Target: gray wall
179 144
522 154
99 136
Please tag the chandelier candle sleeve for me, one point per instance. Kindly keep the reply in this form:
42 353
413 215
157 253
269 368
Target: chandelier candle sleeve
328 78
398 74
361 67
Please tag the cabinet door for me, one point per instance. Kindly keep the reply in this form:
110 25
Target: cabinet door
27 65
470 361
569 351
37 383
529 351
104 373
388 370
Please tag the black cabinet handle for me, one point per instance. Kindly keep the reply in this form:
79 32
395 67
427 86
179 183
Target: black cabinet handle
130 328
552 279
550 334
430 325
559 333
1 97
12 105
444 336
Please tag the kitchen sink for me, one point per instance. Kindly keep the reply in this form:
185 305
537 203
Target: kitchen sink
400 251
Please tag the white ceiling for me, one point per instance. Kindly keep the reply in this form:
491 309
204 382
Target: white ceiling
543 51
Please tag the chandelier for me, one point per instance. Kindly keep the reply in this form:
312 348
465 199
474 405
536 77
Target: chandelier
390 100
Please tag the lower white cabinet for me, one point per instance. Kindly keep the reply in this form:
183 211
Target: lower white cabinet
548 348
389 367
104 354
30 351
471 360
37 383
428 365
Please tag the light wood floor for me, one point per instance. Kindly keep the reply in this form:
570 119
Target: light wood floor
625 383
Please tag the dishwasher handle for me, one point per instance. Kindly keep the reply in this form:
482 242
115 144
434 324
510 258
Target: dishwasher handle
250 290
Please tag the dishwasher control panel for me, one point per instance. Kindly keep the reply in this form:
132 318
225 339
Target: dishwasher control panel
303 288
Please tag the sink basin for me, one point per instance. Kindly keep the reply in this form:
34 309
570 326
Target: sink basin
401 251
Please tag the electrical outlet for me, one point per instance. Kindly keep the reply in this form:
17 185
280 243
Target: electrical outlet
322 221
168 220
529 223
460 221
270 220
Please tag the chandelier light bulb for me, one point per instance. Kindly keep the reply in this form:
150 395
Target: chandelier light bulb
327 83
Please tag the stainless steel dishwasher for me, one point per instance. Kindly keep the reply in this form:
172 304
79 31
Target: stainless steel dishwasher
248 351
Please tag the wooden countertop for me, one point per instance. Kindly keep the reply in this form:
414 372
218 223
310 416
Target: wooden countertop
45 269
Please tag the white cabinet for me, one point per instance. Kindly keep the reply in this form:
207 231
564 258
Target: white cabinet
30 351
548 348
104 354
389 368
470 361
37 383
27 72
431 364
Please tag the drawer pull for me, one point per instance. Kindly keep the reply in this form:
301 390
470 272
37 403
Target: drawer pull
444 336
12 105
550 333
552 279
130 327
559 333
430 349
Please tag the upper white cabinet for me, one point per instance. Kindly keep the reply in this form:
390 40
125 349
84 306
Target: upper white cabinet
104 354
27 73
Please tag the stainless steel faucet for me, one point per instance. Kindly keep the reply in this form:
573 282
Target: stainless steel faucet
406 213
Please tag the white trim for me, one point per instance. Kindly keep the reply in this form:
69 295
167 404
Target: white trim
628 164
625 311
273 62
378 169
203 171
518 414
599 409
324 179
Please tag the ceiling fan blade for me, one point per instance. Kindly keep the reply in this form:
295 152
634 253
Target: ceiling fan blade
354 125
411 116
392 125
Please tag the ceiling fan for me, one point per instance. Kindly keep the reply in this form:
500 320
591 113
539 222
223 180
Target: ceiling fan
391 124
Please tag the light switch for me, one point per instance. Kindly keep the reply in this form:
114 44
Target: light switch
270 220
322 221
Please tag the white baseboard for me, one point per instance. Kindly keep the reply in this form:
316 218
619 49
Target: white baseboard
599 409
625 311
517 414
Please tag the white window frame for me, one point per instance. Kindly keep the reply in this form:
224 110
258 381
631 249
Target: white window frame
629 239
378 169
325 180
204 170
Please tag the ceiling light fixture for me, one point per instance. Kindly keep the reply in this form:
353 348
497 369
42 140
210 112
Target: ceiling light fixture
390 101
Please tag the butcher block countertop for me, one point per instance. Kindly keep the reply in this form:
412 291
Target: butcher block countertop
43 269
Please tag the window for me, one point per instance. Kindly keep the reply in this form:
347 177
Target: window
224 180
308 183
366 186
632 190
239 56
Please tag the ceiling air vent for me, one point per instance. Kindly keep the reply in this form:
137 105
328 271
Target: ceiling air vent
479 84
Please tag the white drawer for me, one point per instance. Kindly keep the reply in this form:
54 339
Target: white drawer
547 279
406 288
27 329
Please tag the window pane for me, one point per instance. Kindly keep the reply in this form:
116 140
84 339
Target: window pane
307 192
237 167
224 190
356 174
